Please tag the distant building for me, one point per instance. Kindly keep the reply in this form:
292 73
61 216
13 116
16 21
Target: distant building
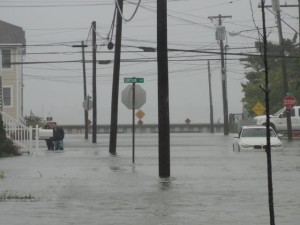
12 46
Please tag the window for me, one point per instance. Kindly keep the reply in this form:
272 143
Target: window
292 112
6 58
7 98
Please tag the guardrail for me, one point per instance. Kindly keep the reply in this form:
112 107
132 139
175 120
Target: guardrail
19 133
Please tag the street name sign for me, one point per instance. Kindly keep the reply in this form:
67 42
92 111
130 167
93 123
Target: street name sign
133 80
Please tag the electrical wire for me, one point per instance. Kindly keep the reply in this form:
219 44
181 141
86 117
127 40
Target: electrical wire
55 5
111 31
121 13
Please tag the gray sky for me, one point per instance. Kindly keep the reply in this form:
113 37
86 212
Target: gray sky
56 90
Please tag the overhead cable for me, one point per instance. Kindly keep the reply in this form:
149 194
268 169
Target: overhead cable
121 13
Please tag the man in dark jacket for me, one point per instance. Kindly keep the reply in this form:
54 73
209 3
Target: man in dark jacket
58 137
49 141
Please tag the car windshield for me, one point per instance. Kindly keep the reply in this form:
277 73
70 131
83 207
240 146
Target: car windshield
256 132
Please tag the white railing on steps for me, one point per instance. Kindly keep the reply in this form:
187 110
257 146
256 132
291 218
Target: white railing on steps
19 133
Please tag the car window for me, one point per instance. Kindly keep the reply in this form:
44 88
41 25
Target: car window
284 113
256 132
279 112
292 112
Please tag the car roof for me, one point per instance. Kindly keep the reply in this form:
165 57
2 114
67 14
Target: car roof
255 126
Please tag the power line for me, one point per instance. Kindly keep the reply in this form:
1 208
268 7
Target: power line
54 5
121 11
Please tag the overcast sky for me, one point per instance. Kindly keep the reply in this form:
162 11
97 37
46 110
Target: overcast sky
56 90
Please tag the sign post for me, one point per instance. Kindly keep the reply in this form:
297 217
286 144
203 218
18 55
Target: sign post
133 121
289 102
137 102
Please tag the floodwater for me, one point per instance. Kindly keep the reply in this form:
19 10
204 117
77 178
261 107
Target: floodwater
210 184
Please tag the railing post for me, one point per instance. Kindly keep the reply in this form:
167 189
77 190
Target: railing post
30 137
37 137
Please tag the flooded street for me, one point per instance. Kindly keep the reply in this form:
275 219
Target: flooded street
210 184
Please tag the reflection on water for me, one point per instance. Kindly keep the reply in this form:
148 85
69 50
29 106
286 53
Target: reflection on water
210 184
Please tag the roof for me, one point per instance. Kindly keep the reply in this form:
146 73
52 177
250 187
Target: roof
11 34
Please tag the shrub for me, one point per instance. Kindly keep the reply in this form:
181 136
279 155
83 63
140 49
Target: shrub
2 130
7 147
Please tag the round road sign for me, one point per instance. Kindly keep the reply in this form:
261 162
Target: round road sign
289 101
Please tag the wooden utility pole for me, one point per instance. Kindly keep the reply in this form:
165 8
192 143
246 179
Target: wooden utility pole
115 85
223 71
284 71
1 94
211 111
86 112
94 135
276 8
163 90
1 101
287 6
268 148
299 20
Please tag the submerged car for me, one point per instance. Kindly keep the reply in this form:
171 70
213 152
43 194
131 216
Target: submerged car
253 138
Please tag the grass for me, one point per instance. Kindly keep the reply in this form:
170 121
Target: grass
6 196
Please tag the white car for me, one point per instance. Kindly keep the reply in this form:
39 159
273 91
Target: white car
253 138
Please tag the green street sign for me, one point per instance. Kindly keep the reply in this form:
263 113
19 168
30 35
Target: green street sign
133 80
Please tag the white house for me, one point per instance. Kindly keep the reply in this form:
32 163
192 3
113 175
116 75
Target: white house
12 45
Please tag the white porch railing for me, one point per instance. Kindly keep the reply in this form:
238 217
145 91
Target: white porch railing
19 133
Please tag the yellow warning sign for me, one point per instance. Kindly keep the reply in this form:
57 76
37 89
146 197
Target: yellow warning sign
140 114
259 108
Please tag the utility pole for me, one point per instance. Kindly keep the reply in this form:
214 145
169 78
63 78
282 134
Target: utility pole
1 98
94 135
276 3
1 94
268 148
284 67
86 112
163 90
210 100
115 86
276 7
220 36
299 20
